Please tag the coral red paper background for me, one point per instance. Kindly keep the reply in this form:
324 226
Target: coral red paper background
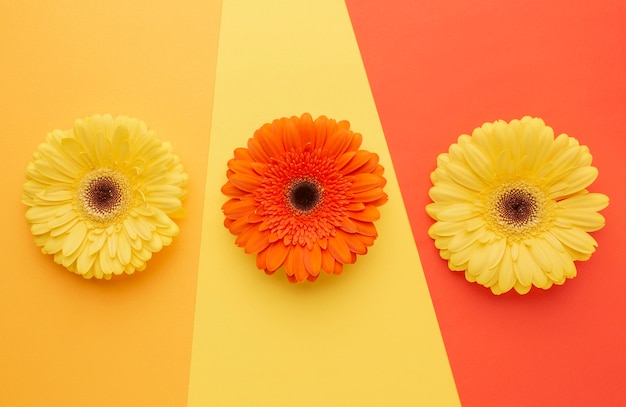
440 69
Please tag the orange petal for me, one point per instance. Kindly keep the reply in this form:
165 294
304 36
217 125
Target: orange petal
299 252
236 226
254 217
323 242
380 201
369 195
328 262
361 157
257 241
306 128
261 260
269 141
292 137
338 268
369 214
354 243
365 182
276 254
257 153
355 140
337 142
365 228
288 265
245 235
249 183
242 154
238 208
355 206
348 225
339 249
294 264
312 278
367 240
259 168
313 260
372 165
321 131
379 170
240 166
344 159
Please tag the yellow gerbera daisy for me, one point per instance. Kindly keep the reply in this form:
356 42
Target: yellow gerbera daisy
511 205
101 195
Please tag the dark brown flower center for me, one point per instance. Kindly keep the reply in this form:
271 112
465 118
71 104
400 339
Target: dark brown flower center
103 194
304 195
518 210
517 207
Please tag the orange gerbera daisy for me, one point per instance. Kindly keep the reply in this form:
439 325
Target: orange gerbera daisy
303 196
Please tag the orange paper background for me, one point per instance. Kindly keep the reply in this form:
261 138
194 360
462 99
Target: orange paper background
440 69
66 341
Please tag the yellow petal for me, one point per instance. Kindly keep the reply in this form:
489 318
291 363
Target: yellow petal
458 260
85 261
462 240
506 278
487 276
74 239
525 266
41 228
109 264
119 143
41 214
478 259
142 227
155 244
521 289
586 201
479 161
457 212
447 192
166 203
580 218
52 244
575 238
60 220
445 228
576 181
97 242
464 176
63 228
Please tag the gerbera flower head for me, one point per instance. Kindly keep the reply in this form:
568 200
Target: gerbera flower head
511 206
101 196
304 196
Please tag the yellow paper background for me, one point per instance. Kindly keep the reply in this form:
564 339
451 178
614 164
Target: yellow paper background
66 341
367 337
